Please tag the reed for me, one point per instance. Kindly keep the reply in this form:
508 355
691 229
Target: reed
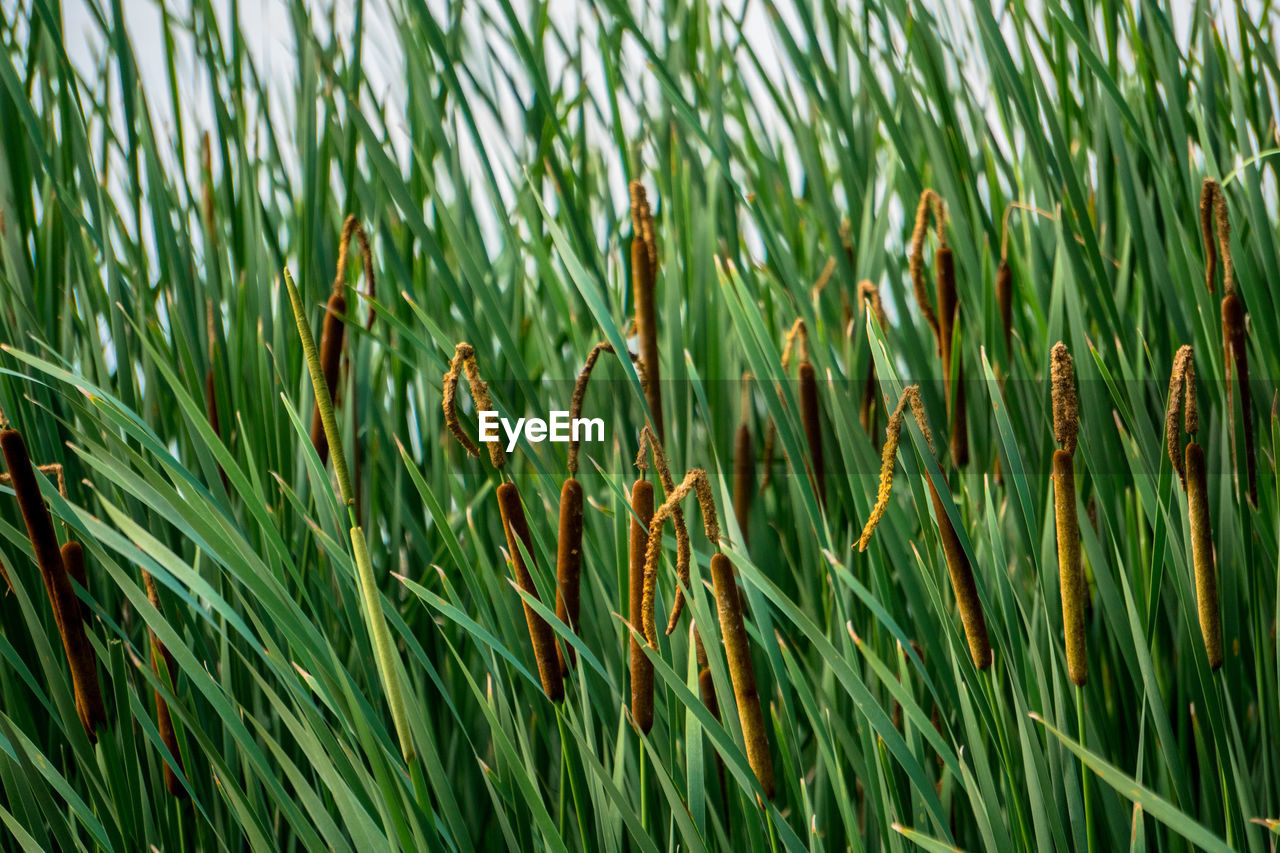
514 524
1066 427
641 666
744 464
958 566
644 276
371 599
62 599
161 657
1215 219
1191 471
944 321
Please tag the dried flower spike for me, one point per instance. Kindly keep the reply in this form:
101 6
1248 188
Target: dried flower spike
464 360
695 481
649 442
742 672
73 559
641 666
1066 428
62 599
1182 388
644 274
541 636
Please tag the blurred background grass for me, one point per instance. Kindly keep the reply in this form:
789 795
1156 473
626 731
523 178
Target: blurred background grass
486 147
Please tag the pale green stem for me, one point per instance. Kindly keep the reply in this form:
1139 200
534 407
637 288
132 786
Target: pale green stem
377 622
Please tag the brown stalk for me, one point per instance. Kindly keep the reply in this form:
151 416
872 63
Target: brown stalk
958 566
797 343
1182 396
641 666
1066 428
160 656
62 599
644 272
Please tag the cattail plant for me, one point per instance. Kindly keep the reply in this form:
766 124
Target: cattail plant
380 636
515 525
333 331
641 666
869 300
1215 218
1191 473
1066 429
744 464
650 444
62 599
644 277
162 657
569 541
797 343
729 605
73 559
944 321
962 582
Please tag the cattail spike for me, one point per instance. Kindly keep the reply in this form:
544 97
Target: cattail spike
331 338
893 434
1208 190
1236 344
650 442
1182 398
541 636
962 583
1066 408
579 395
1070 569
695 481
73 559
641 666
1202 555
948 320
62 599
569 566
464 360
644 267
929 203
810 418
742 672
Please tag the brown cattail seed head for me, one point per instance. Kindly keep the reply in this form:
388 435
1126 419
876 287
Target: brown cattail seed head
1202 555
541 635
1182 398
641 667
888 453
1066 408
1236 342
62 599
1070 569
1208 190
73 559
569 565
742 672
962 583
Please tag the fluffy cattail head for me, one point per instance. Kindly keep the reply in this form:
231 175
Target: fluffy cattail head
930 203
579 395
1066 408
695 481
649 443
1215 221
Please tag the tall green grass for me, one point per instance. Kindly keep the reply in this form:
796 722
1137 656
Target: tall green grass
490 171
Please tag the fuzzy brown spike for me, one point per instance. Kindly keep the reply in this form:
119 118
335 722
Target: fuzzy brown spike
331 338
1236 344
1208 190
464 360
1066 408
1202 555
541 636
962 583
644 269
569 566
1070 569
641 666
948 319
810 418
162 657
579 396
742 672
62 599
73 559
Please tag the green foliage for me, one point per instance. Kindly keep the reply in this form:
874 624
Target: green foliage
491 177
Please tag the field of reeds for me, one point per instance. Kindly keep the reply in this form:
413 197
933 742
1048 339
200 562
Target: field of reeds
936 349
